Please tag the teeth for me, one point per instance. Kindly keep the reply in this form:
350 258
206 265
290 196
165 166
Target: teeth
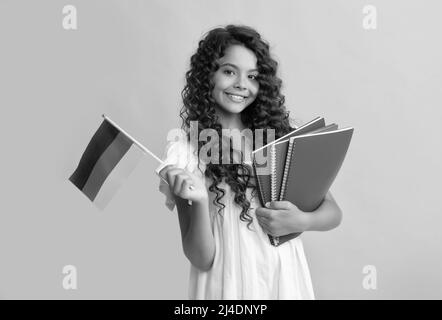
236 98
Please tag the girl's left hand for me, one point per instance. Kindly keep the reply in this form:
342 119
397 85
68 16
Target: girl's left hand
279 218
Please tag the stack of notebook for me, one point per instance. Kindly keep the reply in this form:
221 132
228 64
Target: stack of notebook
301 166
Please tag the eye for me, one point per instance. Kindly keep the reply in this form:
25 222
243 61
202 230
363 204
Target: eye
253 76
228 71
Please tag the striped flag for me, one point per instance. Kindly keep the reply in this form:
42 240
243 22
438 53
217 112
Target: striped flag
108 160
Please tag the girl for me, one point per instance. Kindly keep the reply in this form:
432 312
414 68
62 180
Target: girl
232 84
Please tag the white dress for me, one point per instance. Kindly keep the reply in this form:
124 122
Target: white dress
246 265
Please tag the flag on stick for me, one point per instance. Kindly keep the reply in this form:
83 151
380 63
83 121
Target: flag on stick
108 160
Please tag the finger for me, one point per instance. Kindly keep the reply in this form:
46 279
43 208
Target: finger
179 179
171 173
279 205
264 225
267 228
163 171
170 176
263 212
186 185
175 170
262 217
193 176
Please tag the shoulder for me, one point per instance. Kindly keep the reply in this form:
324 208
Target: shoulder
182 153
176 146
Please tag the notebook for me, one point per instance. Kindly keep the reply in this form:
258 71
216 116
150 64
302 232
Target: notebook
302 167
280 151
262 168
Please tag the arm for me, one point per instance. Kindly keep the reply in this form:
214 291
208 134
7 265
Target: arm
328 216
196 232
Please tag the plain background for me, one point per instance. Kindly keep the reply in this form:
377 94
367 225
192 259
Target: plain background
128 58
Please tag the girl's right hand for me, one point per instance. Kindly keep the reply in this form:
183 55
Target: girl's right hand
185 184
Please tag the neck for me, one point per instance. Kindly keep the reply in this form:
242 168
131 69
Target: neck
230 120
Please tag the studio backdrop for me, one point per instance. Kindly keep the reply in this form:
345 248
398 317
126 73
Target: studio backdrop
373 65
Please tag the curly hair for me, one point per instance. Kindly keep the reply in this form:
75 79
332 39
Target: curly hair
266 112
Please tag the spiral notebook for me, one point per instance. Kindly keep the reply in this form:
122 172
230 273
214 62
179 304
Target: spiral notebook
260 157
302 166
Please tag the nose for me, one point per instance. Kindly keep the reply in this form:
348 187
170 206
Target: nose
240 84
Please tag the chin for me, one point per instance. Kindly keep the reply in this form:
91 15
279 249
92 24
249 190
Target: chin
232 108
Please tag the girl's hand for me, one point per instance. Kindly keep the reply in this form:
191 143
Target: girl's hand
281 218
185 184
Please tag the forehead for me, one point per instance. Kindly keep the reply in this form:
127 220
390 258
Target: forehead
240 56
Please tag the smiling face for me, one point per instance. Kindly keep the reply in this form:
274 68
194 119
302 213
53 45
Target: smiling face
235 83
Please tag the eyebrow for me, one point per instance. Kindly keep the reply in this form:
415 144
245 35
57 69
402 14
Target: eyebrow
234 66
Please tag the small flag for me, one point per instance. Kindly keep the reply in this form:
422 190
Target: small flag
108 160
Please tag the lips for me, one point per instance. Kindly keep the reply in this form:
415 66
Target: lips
235 97
235 94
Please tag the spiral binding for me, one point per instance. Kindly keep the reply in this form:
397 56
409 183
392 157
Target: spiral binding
258 180
273 196
275 241
286 169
